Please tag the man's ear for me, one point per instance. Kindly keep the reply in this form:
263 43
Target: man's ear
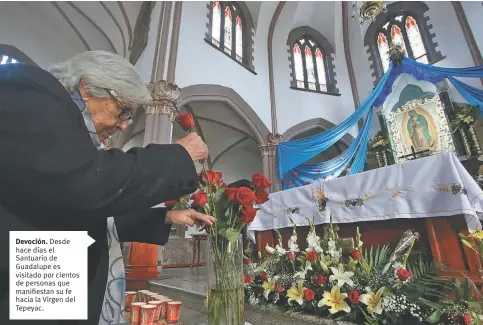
85 93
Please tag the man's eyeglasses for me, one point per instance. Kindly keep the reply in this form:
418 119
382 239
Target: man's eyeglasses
126 113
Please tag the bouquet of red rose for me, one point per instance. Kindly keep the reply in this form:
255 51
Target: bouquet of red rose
233 208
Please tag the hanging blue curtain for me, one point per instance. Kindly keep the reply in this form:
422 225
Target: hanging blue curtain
307 173
473 96
293 153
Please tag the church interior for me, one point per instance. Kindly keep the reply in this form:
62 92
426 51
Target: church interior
358 143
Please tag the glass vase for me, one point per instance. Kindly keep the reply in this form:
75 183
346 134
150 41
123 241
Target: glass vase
225 300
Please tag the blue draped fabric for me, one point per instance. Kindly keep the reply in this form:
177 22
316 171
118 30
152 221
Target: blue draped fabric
473 96
306 173
293 154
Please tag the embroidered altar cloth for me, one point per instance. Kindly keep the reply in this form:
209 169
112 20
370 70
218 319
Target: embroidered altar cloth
433 186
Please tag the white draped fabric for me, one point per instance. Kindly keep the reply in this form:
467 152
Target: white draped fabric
434 186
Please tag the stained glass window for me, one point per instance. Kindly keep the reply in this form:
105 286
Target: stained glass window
309 65
415 40
4 59
383 47
397 37
319 61
402 29
298 66
228 29
216 23
239 39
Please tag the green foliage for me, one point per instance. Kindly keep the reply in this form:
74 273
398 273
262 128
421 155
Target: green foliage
377 258
425 283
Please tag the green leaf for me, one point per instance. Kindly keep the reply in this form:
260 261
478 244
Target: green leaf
466 243
232 234
434 317
222 232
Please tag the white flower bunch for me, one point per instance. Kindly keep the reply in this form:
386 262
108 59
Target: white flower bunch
399 304
292 244
313 243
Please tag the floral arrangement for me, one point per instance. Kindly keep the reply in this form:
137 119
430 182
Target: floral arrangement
378 147
463 119
396 54
366 286
233 208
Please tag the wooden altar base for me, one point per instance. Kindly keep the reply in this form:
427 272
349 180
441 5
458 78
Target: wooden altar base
439 239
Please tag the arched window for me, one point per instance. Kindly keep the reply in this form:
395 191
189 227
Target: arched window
230 29
311 60
4 59
403 23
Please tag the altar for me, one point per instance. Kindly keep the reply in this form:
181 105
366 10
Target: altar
434 196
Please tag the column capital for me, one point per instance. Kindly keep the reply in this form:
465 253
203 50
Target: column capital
269 149
165 97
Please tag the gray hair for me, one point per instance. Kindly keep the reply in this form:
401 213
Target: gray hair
102 70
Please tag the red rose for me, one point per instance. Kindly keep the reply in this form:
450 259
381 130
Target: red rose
354 297
262 196
312 256
320 279
309 294
248 213
290 256
170 204
294 173
356 254
467 319
264 275
231 193
278 288
248 279
186 121
261 182
306 183
210 177
403 274
199 198
248 261
221 183
245 196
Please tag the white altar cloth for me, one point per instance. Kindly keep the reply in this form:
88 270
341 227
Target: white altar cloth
433 186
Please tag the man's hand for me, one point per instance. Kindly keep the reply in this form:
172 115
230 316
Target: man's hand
196 148
188 217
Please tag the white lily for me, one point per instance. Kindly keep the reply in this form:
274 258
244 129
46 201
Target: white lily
373 300
292 244
303 273
341 276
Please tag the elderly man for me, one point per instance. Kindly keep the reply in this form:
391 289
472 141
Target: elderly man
52 177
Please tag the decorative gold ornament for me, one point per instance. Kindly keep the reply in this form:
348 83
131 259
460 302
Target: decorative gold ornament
368 11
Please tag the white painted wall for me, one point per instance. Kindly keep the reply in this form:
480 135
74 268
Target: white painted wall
474 14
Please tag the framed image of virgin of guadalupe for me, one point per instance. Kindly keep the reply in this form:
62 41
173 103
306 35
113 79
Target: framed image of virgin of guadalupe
420 125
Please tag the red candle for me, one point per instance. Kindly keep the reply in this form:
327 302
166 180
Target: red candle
147 314
157 312
174 308
164 308
136 312
141 294
130 296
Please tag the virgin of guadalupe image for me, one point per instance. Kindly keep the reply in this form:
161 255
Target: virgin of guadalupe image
419 131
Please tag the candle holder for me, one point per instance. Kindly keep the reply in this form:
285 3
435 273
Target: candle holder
147 314
136 312
174 308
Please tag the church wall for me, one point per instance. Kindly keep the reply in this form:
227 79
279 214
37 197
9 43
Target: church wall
474 12
295 106
200 63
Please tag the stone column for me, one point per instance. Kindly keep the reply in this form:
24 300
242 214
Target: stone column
146 259
161 113
269 164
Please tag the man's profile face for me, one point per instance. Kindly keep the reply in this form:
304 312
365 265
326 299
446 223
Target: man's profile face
105 113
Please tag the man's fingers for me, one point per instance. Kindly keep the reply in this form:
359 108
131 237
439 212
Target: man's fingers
189 221
203 217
